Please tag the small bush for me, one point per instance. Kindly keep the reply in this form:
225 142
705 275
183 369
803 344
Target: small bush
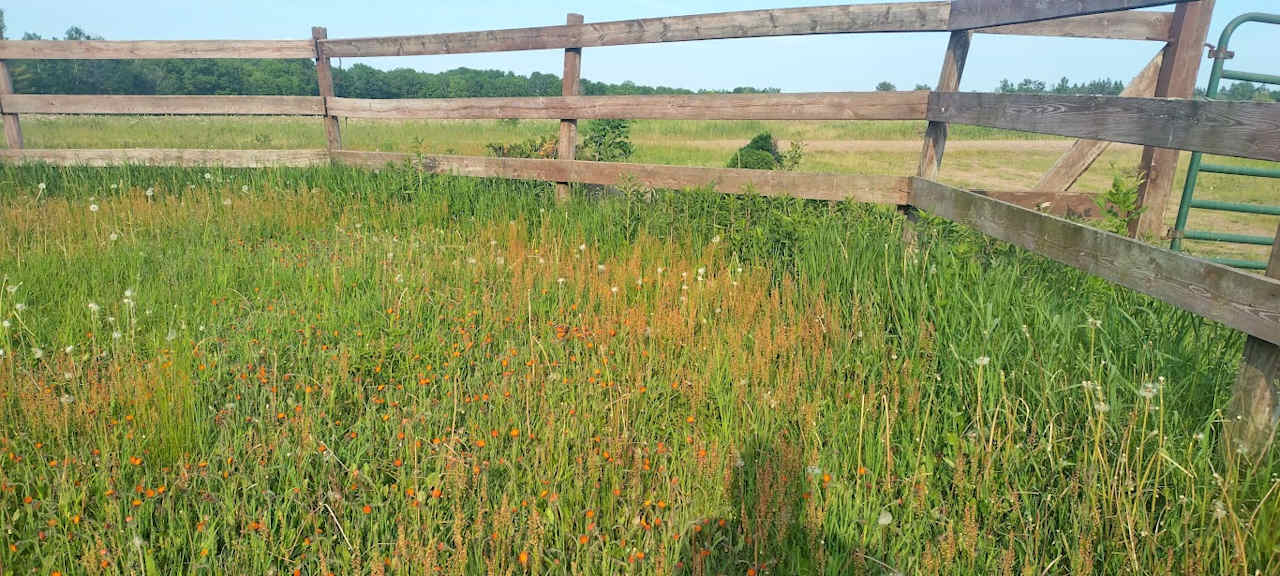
606 140
1119 204
762 154
753 159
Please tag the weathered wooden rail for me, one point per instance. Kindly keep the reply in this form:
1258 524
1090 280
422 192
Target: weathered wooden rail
1145 114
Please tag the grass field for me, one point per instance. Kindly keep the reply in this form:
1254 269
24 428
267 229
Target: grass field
336 371
976 157
339 371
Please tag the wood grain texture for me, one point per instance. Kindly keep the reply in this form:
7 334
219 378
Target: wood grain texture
1255 398
1074 162
152 49
168 157
835 187
183 105
886 17
811 106
12 127
1177 79
967 14
571 85
324 79
1243 301
1135 25
1063 204
1244 129
935 134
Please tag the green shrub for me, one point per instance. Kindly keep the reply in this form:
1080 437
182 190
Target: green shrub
1120 204
607 140
762 154
753 159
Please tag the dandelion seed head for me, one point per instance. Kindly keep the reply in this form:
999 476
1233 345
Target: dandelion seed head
1149 390
93 207
982 360
1219 510
885 518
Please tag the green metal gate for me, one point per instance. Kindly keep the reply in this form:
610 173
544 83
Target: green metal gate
1220 55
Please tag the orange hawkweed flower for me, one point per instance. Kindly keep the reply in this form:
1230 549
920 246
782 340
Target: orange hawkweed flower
367 509
524 558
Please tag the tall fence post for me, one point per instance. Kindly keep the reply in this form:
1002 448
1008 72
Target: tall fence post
324 77
1255 400
571 85
12 129
1177 79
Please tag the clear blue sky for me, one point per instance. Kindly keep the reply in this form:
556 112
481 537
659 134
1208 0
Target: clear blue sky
794 64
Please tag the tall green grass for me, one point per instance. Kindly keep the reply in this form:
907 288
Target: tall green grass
341 371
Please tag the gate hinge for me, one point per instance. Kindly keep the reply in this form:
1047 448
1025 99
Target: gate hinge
1215 54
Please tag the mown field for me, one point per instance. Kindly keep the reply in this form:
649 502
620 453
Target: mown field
335 371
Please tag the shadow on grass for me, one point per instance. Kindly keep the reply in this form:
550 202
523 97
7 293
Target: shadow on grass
767 531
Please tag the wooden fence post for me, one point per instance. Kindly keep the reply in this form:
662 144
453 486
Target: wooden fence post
12 129
1255 400
1177 79
324 77
571 85
935 135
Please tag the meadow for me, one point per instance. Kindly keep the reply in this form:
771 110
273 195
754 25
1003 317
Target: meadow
341 371
977 157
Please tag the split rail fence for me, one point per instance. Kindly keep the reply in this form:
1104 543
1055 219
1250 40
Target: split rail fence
1155 111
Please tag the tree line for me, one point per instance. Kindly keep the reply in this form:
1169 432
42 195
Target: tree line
295 77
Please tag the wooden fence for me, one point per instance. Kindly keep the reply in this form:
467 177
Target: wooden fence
1152 112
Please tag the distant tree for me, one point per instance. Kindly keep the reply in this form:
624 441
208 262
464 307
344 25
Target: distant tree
885 86
2 27
922 87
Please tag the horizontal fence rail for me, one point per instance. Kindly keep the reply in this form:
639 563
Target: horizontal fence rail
1077 19
178 105
153 49
1246 302
185 157
968 14
1245 129
889 17
858 188
1137 25
813 106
